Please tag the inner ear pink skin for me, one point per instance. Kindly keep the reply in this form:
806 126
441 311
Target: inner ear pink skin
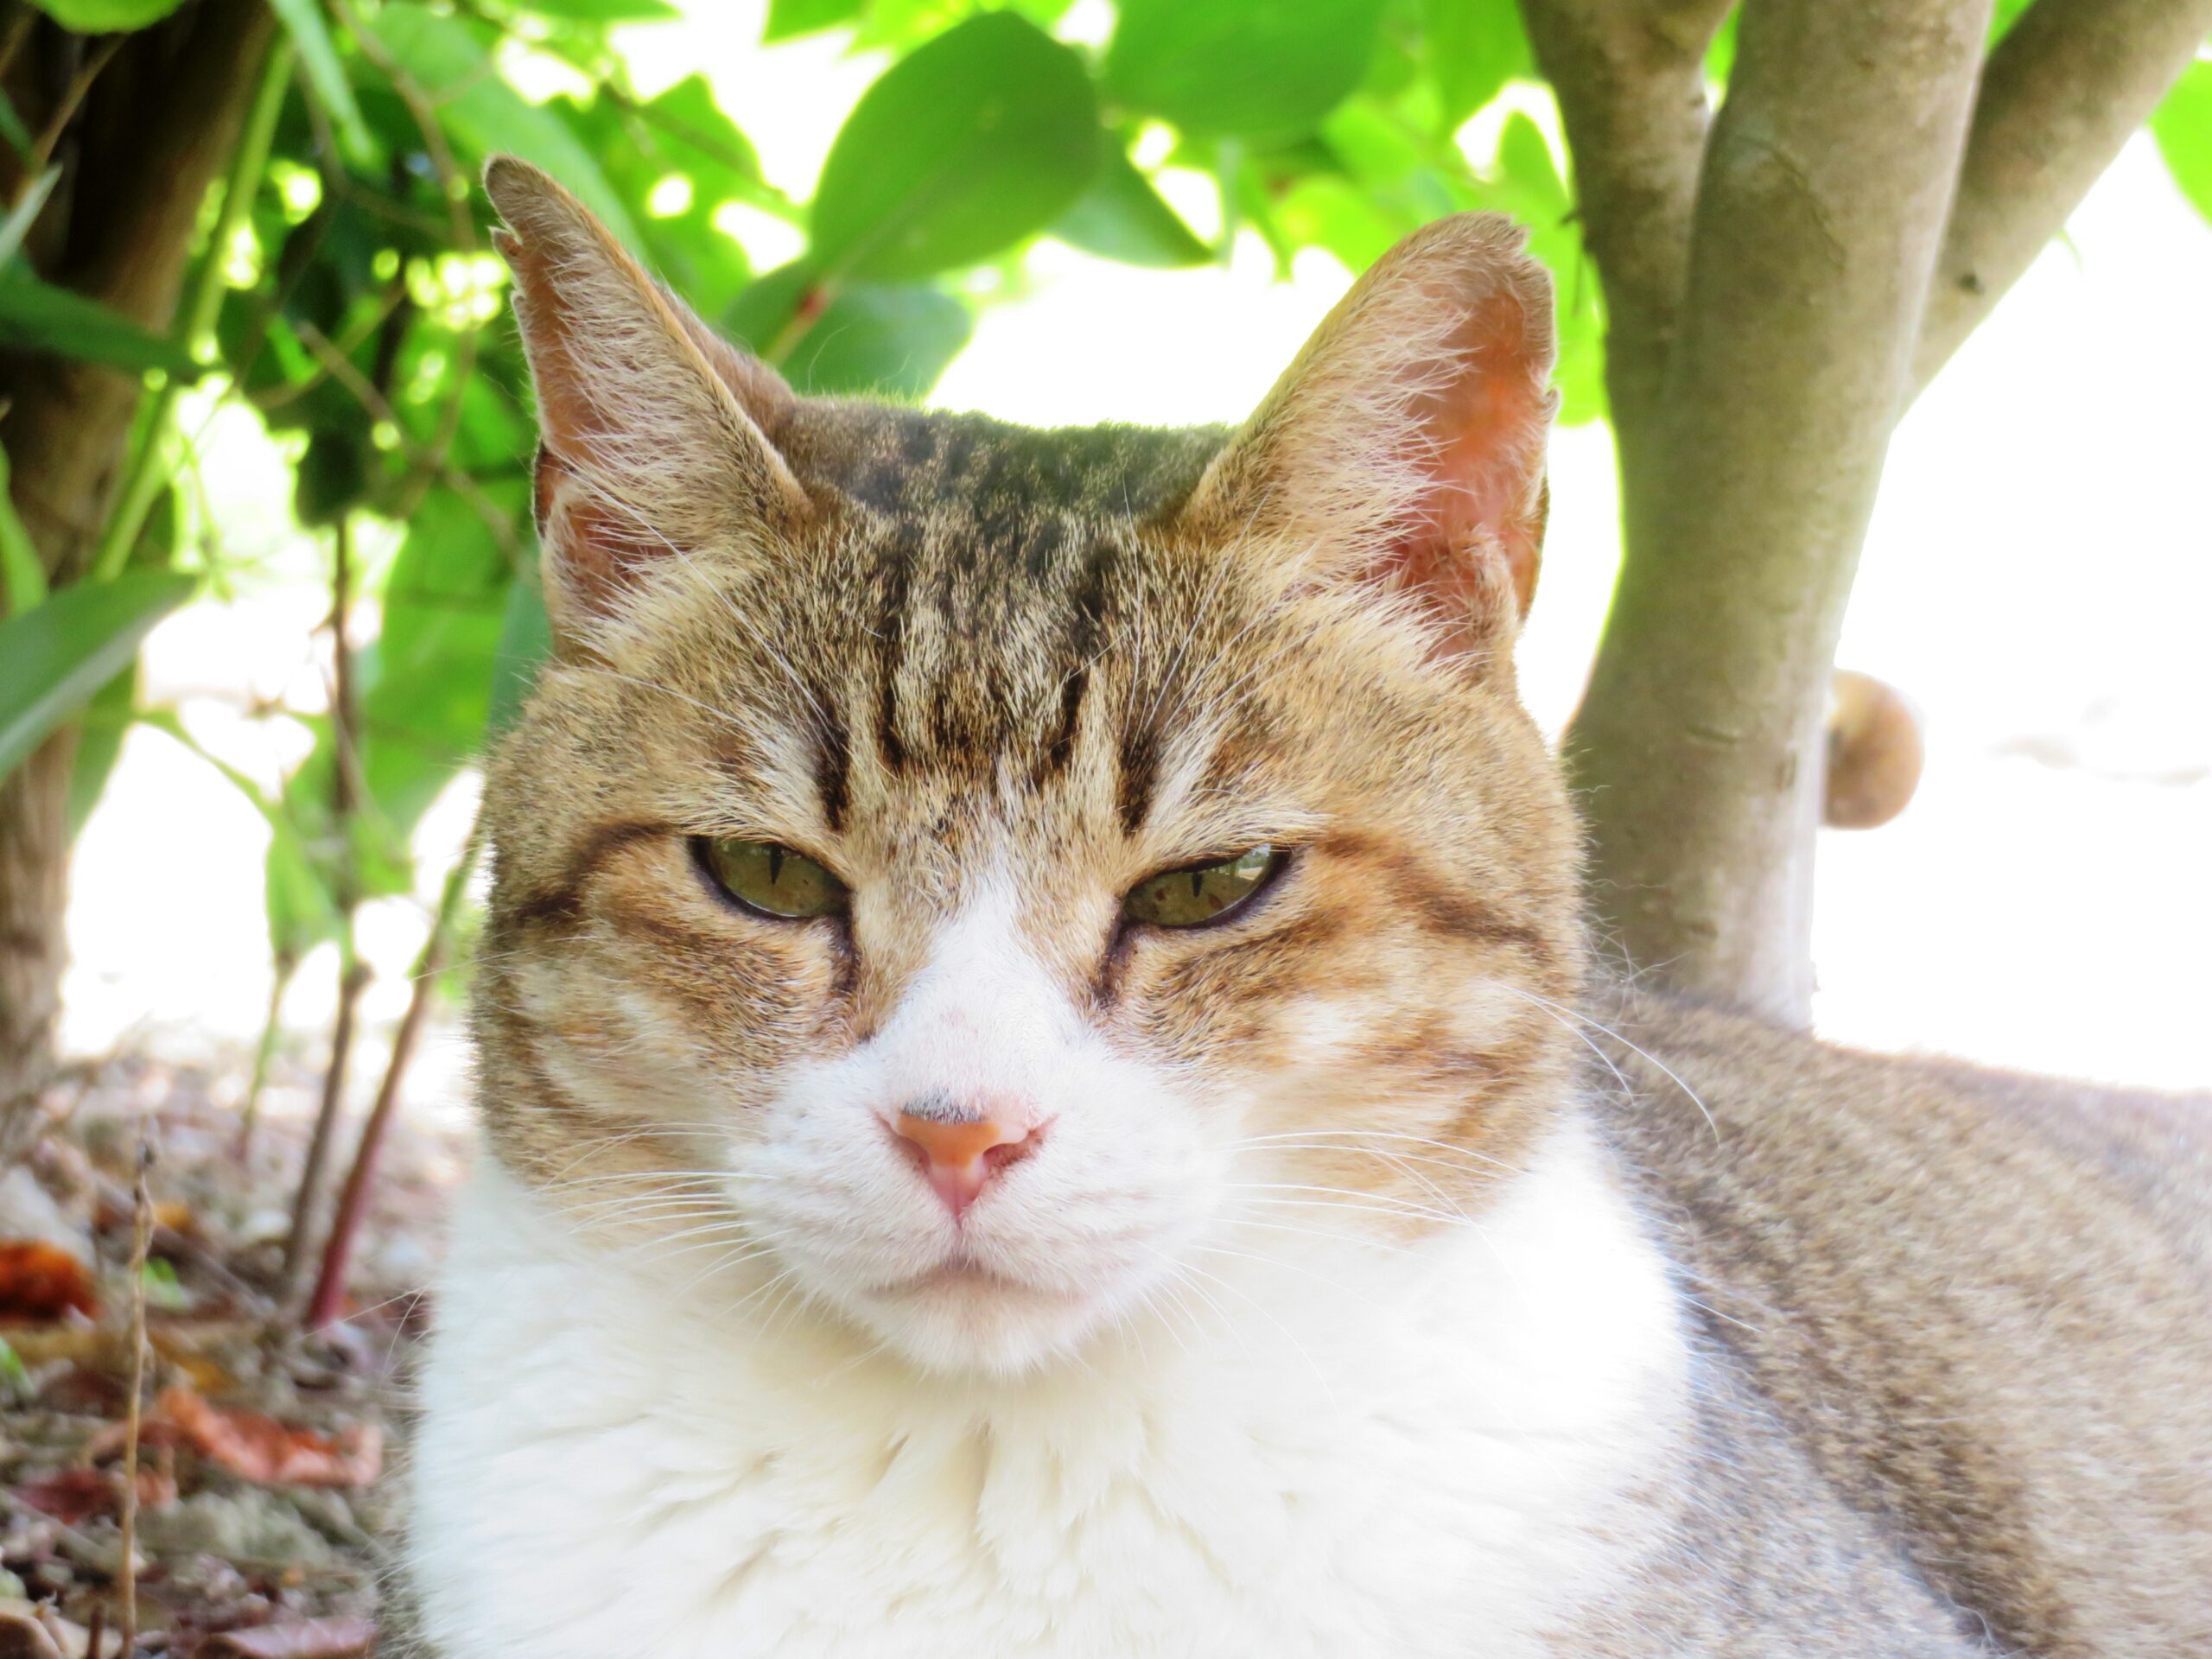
1475 537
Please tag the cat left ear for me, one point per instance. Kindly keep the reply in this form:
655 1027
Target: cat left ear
655 437
1405 447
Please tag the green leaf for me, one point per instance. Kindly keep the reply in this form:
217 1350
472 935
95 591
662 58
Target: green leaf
1251 68
486 115
23 573
18 225
1476 46
789 19
11 1368
972 142
106 720
2182 126
606 12
892 339
107 16
53 658
39 317
162 1290
683 131
303 910
18 136
1525 182
325 73
1721 56
427 681
1122 217
1336 214
332 474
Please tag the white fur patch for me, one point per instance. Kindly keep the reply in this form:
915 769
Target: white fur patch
1370 1450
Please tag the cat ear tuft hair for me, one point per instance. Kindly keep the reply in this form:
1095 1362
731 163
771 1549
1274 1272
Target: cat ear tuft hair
1405 446
657 439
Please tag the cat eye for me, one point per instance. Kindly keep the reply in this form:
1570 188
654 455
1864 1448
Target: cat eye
1199 893
770 878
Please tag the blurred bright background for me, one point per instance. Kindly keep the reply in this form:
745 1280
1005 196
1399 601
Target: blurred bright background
2036 582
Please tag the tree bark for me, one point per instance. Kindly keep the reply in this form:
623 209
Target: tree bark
153 131
2071 82
1629 76
1821 204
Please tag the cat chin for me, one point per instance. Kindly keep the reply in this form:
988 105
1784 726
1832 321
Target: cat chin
953 1321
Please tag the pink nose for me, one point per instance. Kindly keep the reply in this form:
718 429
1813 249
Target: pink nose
959 1157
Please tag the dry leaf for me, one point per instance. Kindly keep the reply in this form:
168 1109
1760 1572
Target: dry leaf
40 1282
73 1496
259 1448
313 1638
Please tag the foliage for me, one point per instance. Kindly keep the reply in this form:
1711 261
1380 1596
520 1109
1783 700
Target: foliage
365 327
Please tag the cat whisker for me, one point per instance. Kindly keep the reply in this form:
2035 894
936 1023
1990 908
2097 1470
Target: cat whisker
1559 1012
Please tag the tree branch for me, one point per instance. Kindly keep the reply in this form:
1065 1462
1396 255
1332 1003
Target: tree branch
1819 213
1629 76
2063 91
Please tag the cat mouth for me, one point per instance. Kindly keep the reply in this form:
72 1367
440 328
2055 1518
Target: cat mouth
963 1277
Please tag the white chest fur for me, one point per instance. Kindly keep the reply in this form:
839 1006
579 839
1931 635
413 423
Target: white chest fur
1408 1452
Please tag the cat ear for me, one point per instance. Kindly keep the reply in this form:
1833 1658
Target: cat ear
655 437
1406 445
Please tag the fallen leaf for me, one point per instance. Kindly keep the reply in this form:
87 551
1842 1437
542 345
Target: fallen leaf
259 1448
83 1344
40 1282
204 1374
73 1496
312 1638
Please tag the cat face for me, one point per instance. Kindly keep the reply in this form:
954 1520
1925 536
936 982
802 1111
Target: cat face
970 882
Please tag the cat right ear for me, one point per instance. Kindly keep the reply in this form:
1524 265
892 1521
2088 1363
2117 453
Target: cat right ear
656 438
1404 450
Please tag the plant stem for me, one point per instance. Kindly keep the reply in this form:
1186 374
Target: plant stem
142 1206
353 974
353 1202
143 482
264 1052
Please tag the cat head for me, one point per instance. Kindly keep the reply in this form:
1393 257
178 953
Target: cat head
972 877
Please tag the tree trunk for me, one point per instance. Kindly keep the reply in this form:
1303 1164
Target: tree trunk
1826 182
153 126
1857 206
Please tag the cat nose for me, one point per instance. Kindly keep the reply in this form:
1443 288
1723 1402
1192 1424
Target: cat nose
959 1150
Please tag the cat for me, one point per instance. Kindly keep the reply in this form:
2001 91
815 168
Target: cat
1042 1092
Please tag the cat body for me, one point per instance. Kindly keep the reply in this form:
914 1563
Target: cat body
1041 1095
1592 1428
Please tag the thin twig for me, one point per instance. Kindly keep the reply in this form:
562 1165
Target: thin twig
343 370
263 1052
142 1238
72 96
2069 84
350 340
345 798
352 1202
